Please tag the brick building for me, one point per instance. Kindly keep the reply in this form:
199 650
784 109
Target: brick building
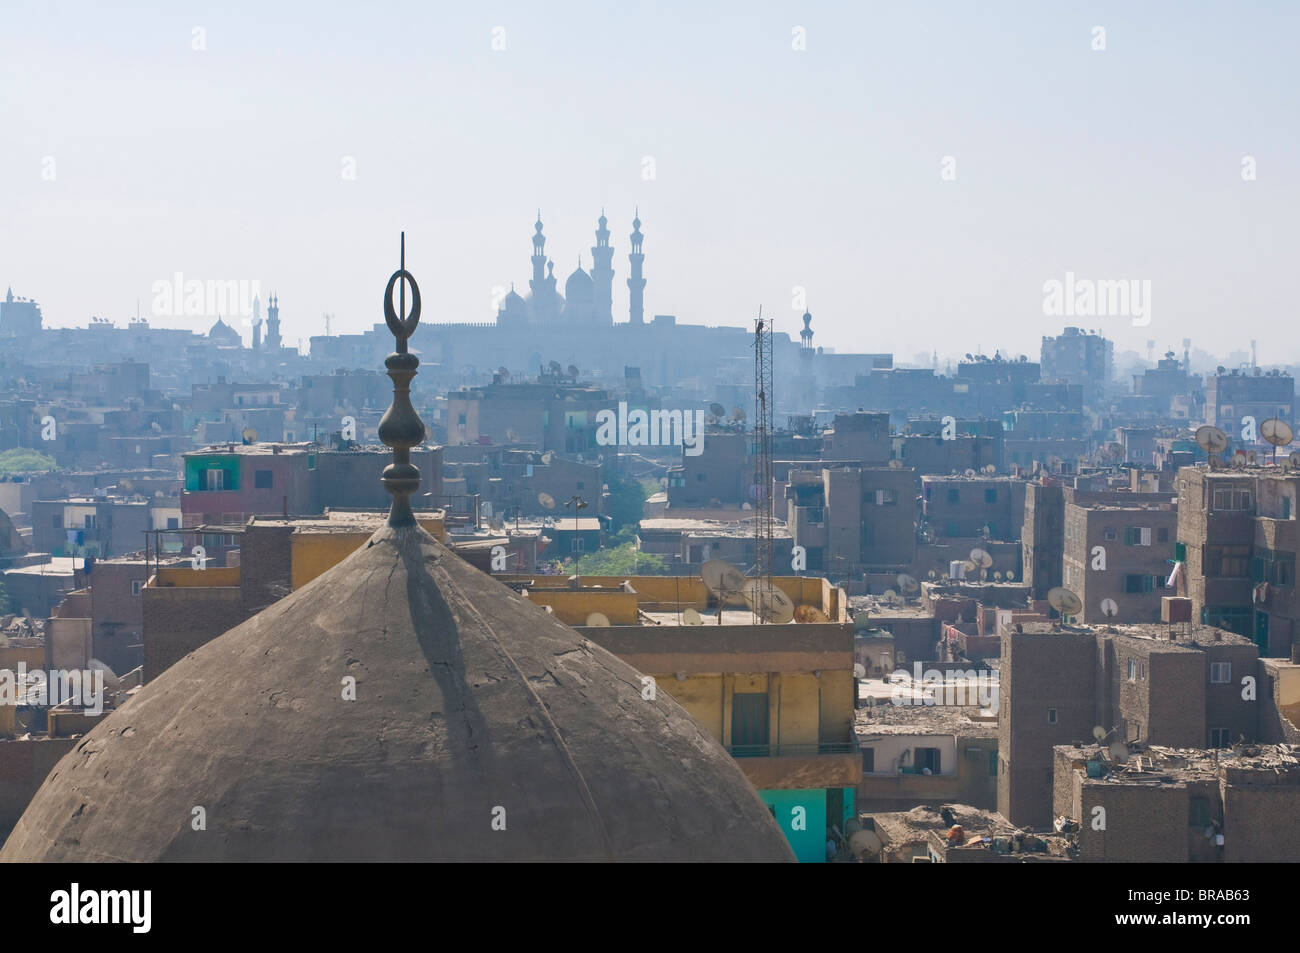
1181 805
1177 685
1118 557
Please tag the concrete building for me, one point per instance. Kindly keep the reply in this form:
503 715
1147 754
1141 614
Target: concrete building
1232 396
852 520
779 698
1079 357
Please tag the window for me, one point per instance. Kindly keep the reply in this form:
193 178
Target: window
953 496
993 764
1137 536
1180 552
582 484
1274 567
1137 583
173 522
1220 673
58 521
136 585
868 760
1219 738
1108 533
579 544
311 460
214 479
699 478
1198 812
262 479
1229 562
927 758
1232 499
89 521
1132 670
991 496
1051 716
1162 535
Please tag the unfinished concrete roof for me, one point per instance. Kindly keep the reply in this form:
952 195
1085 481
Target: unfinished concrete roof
472 705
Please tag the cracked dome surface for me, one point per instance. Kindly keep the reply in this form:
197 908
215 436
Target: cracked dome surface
471 705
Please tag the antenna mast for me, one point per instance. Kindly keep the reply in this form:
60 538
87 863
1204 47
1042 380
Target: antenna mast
762 489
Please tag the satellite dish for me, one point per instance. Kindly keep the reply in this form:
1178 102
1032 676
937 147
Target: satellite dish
1064 601
110 679
512 435
1009 575
717 410
990 468
723 580
1109 608
968 565
692 617
573 371
907 584
598 619
554 368
807 614
1211 439
1277 432
548 457
737 413
865 843
768 602
503 373
997 577
249 435
981 559
547 501
859 670
970 472
890 596
1098 733
1118 751
895 464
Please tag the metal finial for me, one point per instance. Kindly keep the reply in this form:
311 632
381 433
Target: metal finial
401 427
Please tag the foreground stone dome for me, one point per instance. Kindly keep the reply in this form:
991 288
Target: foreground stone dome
472 706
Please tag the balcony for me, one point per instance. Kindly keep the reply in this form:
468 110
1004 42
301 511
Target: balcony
796 766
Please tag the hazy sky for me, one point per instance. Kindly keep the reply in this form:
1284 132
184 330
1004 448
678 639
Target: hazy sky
773 167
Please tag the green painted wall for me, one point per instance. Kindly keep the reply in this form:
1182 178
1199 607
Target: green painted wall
194 467
808 843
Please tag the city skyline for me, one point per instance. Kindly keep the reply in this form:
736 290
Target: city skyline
1115 164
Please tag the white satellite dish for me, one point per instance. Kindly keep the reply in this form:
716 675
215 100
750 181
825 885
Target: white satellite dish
598 619
768 602
692 617
859 670
723 580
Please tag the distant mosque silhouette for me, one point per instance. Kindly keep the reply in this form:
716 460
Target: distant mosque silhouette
587 301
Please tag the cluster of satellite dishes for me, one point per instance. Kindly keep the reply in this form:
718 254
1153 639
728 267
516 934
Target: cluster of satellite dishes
987 468
1274 430
718 415
730 586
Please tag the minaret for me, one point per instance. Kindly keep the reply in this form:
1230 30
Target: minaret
273 324
539 257
257 334
636 284
806 335
602 274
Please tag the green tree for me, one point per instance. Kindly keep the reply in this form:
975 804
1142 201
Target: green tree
621 560
626 500
23 460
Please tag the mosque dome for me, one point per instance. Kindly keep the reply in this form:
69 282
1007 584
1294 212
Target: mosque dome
471 705
579 287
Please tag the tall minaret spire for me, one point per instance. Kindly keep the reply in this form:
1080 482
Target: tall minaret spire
636 284
602 273
539 256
